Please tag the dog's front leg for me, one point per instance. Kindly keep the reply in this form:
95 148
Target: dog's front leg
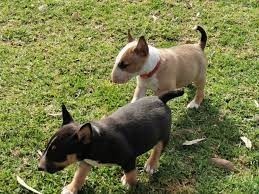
78 179
139 93
130 173
140 90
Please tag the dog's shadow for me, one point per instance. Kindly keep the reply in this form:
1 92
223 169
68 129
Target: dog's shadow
181 167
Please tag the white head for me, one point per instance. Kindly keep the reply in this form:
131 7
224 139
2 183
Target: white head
134 59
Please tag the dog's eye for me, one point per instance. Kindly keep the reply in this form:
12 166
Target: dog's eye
122 65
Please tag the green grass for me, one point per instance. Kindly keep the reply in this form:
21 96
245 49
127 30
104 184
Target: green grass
65 54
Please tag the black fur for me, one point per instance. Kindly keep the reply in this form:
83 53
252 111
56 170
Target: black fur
169 95
203 37
121 137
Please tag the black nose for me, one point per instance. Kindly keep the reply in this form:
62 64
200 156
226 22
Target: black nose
40 169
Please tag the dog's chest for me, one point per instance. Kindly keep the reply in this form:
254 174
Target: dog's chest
96 163
152 83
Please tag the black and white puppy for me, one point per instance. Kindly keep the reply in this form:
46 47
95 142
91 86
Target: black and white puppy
117 139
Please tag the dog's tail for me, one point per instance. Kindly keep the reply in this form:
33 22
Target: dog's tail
170 95
203 36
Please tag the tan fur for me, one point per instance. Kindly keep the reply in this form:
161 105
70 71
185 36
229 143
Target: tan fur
181 66
130 178
153 160
133 60
84 134
79 177
70 160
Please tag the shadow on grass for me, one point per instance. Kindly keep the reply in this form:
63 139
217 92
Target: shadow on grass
181 168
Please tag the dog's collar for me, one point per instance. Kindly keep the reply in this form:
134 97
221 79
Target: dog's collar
151 73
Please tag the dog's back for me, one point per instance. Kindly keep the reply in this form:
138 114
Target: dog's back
142 123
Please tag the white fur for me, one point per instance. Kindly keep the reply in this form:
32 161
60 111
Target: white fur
149 169
123 50
66 191
151 62
124 182
92 162
193 104
96 163
148 66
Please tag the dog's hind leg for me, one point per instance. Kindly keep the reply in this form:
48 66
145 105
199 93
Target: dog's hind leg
199 96
78 179
152 163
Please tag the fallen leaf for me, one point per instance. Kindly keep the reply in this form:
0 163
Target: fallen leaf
76 16
222 163
195 141
54 114
21 182
43 8
154 18
16 152
247 142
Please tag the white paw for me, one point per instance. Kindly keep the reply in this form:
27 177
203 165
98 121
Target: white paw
193 104
66 191
133 100
149 169
124 182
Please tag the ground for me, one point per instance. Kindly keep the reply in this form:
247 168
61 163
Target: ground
54 52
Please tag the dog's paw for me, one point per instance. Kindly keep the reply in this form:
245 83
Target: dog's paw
151 169
65 190
124 181
128 183
193 104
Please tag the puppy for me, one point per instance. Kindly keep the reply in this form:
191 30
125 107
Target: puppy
117 139
162 69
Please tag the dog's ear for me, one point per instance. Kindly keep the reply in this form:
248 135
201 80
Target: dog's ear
67 118
142 47
130 38
85 133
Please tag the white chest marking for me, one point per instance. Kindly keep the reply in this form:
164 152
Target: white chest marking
151 83
92 162
96 163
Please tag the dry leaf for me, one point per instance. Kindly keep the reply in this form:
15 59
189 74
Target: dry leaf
54 114
21 182
43 8
222 163
154 18
195 141
246 141
76 16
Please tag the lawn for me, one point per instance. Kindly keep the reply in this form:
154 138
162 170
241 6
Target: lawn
54 52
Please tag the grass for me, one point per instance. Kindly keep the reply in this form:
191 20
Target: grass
65 51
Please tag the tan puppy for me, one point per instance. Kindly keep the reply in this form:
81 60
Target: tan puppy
162 69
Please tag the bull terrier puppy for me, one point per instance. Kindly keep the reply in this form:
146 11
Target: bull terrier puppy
162 69
117 139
